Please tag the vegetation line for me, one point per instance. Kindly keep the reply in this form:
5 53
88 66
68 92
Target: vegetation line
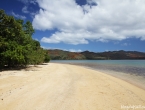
17 48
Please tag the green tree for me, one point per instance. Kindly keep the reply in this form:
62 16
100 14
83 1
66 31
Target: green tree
17 48
11 38
47 57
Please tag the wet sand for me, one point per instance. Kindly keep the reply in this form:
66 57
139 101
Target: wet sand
66 87
133 75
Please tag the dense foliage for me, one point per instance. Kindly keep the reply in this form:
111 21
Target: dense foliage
17 48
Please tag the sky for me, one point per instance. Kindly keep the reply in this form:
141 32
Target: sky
80 25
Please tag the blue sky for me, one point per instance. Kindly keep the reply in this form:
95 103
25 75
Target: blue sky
79 25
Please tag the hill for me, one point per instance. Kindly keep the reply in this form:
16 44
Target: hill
112 55
65 55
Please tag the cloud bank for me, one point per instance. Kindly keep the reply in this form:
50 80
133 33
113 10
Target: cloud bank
70 50
98 20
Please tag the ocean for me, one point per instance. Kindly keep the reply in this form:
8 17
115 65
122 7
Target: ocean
132 71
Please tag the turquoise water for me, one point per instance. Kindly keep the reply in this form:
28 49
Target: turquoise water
133 63
135 67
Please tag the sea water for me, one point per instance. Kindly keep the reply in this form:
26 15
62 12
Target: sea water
132 71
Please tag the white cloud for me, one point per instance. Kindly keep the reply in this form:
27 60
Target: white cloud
66 38
18 16
70 50
126 44
74 50
25 9
33 1
108 20
36 39
106 50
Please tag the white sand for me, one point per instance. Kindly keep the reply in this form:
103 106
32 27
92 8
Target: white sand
65 87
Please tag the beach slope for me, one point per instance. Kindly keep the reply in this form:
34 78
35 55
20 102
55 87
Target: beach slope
66 87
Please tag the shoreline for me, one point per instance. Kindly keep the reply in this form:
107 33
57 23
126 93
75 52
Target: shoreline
125 77
133 79
58 86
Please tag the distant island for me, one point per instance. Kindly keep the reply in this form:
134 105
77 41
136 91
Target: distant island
57 54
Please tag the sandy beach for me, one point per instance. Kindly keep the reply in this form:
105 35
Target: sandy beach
66 87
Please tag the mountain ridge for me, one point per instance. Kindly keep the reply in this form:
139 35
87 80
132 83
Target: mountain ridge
57 54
